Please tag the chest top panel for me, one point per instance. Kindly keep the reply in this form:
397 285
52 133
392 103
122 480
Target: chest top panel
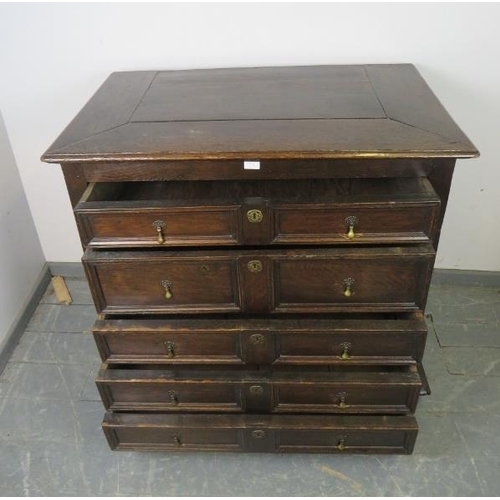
376 111
329 92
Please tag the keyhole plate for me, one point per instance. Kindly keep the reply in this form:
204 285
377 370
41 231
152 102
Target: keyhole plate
256 390
257 338
258 434
255 266
254 216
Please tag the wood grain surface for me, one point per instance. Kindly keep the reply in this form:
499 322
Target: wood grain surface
261 433
377 111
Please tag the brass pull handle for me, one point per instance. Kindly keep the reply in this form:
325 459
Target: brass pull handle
348 285
346 347
350 222
169 346
174 399
341 444
177 440
167 285
160 226
342 396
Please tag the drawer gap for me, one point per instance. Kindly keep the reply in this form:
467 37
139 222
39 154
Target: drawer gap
314 190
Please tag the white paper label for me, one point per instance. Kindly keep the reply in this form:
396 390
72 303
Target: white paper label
251 165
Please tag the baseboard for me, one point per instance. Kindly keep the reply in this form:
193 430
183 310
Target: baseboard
21 321
465 278
67 269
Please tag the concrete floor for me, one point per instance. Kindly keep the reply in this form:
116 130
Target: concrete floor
50 413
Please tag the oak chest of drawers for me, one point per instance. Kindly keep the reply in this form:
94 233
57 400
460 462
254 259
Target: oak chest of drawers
259 245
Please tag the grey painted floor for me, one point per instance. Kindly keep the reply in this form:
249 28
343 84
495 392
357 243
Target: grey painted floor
50 414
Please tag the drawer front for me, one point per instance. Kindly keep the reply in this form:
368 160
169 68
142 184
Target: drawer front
393 279
149 227
274 341
351 282
261 433
141 390
359 211
391 394
355 223
280 392
169 284
169 433
349 348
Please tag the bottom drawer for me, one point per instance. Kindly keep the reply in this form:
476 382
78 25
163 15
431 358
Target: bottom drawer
260 433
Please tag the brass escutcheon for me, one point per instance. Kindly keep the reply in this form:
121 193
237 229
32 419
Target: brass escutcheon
257 338
254 215
255 266
258 434
256 390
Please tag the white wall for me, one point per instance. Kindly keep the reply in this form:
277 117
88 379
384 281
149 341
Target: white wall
21 256
54 56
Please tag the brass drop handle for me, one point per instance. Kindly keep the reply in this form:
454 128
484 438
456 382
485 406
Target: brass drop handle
346 347
342 396
177 440
160 226
174 399
348 286
169 346
350 222
341 443
168 288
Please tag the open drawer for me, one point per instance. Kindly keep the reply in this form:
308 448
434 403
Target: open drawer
368 390
396 339
261 433
206 213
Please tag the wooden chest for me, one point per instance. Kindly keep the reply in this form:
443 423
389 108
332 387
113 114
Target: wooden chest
259 245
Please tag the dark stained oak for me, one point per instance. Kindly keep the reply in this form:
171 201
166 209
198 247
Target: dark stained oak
330 92
261 433
300 341
278 308
108 108
210 213
339 392
377 111
311 280
185 170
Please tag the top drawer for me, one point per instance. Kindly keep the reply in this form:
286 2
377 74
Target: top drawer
207 213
